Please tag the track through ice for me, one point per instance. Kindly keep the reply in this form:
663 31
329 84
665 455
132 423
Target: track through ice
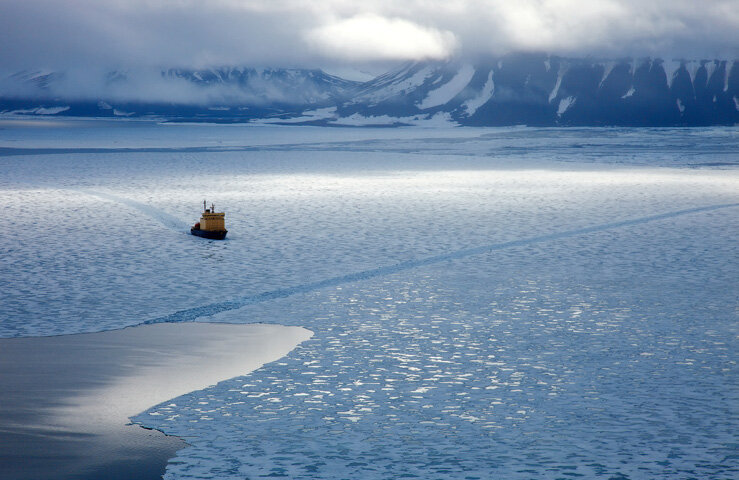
169 221
191 314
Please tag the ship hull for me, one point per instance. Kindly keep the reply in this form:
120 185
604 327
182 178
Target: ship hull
211 234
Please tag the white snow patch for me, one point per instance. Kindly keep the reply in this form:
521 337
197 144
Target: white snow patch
736 102
17 112
104 105
608 68
417 79
400 85
360 120
692 68
486 94
449 90
50 111
729 66
121 113
565 104
629 93
307 116
555 90
440 119
38 111
680 105
547 64
671 67
710 68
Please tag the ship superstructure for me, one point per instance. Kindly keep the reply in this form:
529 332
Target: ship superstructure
212 224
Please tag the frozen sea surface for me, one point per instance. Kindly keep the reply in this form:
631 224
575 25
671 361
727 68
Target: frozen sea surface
486 303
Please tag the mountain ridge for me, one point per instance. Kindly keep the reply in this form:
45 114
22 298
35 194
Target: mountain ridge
517 89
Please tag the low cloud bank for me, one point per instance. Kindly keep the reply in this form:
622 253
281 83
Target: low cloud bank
198 33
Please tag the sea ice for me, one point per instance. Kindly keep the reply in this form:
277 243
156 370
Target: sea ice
605 347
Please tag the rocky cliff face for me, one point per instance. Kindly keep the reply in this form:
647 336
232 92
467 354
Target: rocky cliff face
523 89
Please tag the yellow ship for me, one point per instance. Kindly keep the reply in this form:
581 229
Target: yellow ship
212 224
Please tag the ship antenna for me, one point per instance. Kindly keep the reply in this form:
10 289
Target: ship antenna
205 205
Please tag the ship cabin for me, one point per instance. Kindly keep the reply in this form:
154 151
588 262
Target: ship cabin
212 224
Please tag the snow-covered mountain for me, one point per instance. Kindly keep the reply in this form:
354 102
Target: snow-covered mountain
528 89
271 86
219 94
542 90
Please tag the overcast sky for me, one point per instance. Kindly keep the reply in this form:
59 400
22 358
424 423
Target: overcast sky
64 34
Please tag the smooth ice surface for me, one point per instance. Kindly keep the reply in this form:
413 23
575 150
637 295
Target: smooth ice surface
66 400
486 303
165 361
